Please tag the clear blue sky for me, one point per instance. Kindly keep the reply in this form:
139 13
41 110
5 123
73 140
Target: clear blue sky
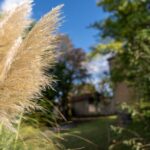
79 14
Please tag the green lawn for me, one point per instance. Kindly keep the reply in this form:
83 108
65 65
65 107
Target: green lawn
97 135
93 135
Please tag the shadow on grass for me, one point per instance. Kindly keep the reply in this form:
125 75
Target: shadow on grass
91 135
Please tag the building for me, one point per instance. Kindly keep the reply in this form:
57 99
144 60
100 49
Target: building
123 93
91 104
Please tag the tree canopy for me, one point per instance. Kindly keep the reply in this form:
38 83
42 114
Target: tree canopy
127 30
68 71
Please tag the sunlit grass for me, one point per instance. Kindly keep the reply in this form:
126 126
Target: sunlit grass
28 138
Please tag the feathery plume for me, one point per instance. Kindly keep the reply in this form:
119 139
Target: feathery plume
11 28
23 69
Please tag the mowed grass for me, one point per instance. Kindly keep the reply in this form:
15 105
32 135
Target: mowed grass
91 135
97 135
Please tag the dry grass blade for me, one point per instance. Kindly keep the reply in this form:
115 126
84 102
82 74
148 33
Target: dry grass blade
26 76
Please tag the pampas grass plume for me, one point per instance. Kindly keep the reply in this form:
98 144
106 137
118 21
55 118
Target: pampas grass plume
23 61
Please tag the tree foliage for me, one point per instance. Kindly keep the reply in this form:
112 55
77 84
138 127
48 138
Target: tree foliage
128 30
69 70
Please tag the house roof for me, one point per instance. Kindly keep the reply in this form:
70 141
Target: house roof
86 97
111 57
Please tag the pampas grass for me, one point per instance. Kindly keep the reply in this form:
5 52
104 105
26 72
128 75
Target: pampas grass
23 62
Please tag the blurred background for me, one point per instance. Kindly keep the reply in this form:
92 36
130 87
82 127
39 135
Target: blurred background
100 99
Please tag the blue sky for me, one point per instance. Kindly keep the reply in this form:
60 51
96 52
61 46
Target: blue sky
79 14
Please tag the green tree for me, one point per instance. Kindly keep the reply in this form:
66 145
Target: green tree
68 71
128 30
